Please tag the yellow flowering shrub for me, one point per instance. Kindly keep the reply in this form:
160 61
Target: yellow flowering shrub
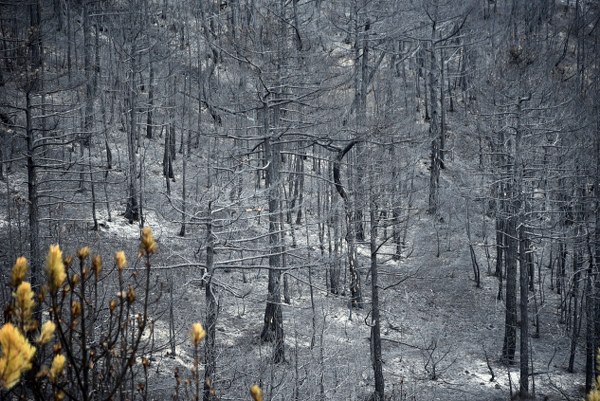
256 392
18 272
97 265
147 244
23 305
55 268
16 355
120 260
198 333
73 298
83 252
46 333
57 367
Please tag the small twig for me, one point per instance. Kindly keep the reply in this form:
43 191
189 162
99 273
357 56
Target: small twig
487 361
509 381
402 343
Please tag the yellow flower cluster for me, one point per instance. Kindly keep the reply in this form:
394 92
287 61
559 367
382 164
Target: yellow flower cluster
148 245
256 392
198 333
120 260
47 332
16 355
18 272
130 295
55 268
75 309
24 304
97 265
57 367
83 252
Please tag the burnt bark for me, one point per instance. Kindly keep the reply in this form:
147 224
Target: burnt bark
273 319
211 313
356 297
376 354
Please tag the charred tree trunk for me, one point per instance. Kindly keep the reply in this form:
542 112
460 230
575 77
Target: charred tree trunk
510 322
32 198
132 212
356 297
524 306
36 49
590 349
376 357
211 313
150 110
273 319
434 137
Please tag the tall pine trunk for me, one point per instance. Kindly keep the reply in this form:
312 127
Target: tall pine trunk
273 318
211 312
376 357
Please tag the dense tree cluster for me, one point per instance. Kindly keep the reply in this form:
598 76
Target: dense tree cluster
289 136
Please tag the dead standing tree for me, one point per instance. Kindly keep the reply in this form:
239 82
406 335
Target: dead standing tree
273 319
355 287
